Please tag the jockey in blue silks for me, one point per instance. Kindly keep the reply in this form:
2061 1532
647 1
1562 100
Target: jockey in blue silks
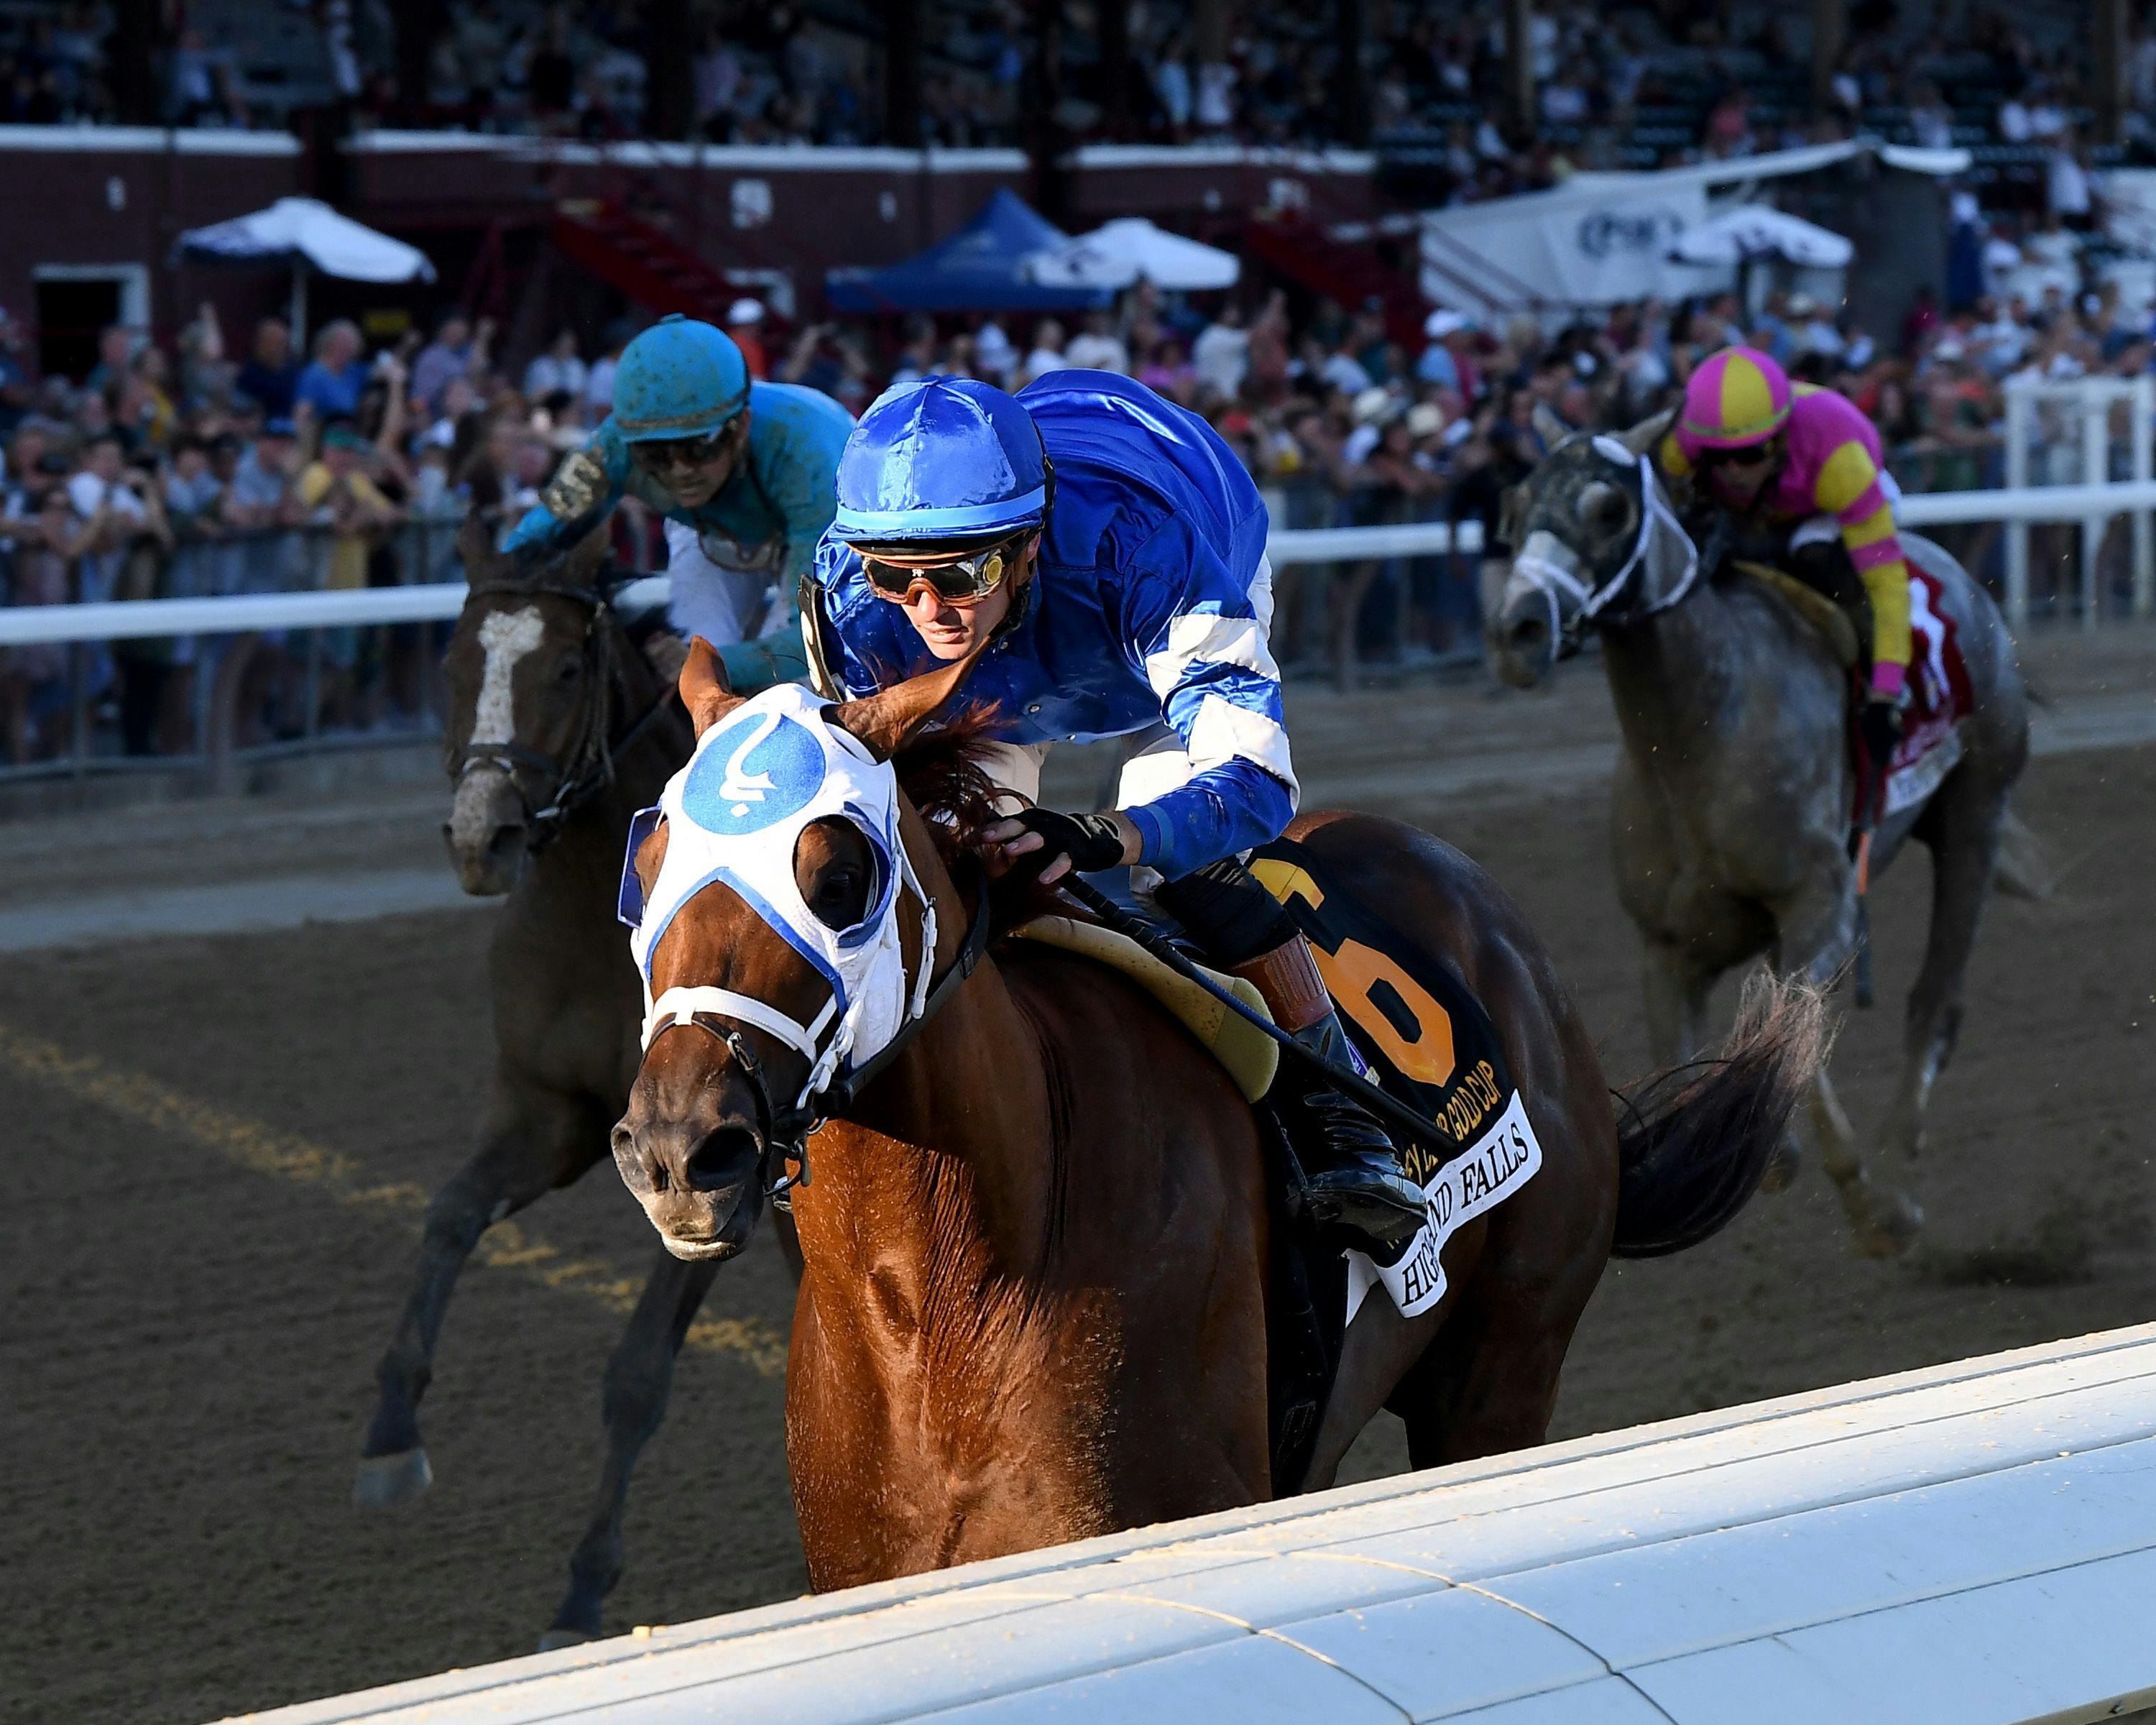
743 472
1110 551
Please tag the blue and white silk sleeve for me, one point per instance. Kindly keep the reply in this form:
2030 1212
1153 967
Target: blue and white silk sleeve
1202 640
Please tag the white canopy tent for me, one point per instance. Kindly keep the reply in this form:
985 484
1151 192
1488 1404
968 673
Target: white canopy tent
1758 230
306 234
1132 249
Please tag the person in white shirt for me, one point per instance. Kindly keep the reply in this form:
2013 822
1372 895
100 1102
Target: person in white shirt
557 370
1047 355
1097 347
1222 352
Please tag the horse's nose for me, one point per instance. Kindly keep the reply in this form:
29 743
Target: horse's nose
641 1171
725 1156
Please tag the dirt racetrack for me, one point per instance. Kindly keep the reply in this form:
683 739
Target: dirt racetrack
217 1148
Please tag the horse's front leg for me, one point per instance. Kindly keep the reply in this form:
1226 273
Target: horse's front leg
532 1140
1677 987
639 1377
1815 933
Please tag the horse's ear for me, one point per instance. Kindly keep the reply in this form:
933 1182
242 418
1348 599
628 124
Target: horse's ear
590 555
476 549
1548 425
1646 437
704 688
890 719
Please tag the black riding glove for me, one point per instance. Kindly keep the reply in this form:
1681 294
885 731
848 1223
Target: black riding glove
1092 842
1879 723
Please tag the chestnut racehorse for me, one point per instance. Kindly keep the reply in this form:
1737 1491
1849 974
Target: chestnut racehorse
1033 1307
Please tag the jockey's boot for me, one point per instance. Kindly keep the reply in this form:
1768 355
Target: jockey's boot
1353 1184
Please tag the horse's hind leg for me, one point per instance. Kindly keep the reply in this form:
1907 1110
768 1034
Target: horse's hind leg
1965 835
532 1141
639 1377
1814 937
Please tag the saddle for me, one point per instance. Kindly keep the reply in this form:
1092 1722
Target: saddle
1425 1037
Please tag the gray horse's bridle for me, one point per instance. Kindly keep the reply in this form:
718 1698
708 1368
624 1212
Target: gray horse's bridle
1550 578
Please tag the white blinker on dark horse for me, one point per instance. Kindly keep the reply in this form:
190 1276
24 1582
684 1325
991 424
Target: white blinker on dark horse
1731 810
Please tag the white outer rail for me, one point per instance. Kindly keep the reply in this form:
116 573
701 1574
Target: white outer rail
435 602
1972 1543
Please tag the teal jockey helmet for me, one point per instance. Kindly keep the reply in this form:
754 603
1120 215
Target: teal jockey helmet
942 459
679 379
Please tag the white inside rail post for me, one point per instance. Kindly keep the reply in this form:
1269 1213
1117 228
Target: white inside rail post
2142 441
2095 468
2017 531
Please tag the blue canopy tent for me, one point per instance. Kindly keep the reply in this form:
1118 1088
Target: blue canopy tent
976 269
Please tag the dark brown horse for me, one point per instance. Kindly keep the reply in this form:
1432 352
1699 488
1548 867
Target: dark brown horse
1034 1304
559 730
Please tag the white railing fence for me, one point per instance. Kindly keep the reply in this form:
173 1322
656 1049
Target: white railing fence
93 627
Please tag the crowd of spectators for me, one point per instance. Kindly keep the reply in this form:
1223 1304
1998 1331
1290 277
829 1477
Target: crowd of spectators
1614 87
209 467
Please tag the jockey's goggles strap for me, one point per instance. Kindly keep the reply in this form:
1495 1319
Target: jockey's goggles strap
965 580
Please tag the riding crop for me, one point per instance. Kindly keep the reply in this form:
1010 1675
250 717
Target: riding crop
1345 1079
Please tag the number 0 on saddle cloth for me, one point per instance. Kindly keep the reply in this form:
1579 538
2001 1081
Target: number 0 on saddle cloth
1433 1047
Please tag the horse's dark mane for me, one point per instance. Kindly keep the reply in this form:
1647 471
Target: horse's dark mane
941 775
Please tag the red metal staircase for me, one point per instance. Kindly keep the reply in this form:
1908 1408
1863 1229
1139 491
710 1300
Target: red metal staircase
640 258
1354 274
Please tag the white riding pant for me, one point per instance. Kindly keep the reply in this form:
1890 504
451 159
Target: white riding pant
722 605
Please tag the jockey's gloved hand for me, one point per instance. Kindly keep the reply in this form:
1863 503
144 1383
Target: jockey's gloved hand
1879 723
1063 842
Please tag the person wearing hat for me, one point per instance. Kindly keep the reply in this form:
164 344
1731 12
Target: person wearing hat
1103 553
745 324
1805 464
741 471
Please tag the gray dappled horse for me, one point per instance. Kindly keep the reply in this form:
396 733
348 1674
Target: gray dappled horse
559 730
1734 788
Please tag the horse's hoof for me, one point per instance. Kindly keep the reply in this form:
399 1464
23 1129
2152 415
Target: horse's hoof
1781 1172
558 1637
1896 1220
385 1482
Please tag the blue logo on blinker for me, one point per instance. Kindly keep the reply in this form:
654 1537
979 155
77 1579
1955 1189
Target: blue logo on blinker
753 774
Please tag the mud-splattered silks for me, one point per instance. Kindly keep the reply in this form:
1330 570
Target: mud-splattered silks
733 815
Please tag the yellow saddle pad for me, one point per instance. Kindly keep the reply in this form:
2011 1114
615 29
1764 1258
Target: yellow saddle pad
1249 1056
1814 607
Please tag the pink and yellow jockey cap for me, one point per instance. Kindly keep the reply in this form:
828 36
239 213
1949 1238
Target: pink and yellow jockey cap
1737 397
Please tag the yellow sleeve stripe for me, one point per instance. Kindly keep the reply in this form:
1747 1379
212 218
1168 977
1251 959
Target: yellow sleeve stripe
1849 472
1672 457
1874 527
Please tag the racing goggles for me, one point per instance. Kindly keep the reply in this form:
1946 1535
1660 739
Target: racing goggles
661 454
956 580
1748 455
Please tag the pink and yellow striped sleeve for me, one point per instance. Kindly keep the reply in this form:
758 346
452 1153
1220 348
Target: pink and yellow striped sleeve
1848 489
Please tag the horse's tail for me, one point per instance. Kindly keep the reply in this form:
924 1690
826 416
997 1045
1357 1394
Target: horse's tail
1695 1140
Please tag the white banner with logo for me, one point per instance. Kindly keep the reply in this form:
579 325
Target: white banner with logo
1593 245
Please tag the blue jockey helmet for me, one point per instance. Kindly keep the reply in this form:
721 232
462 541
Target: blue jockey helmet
942 459
679 379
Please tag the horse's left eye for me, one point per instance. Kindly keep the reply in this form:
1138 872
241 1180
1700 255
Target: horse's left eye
838 898
570 670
